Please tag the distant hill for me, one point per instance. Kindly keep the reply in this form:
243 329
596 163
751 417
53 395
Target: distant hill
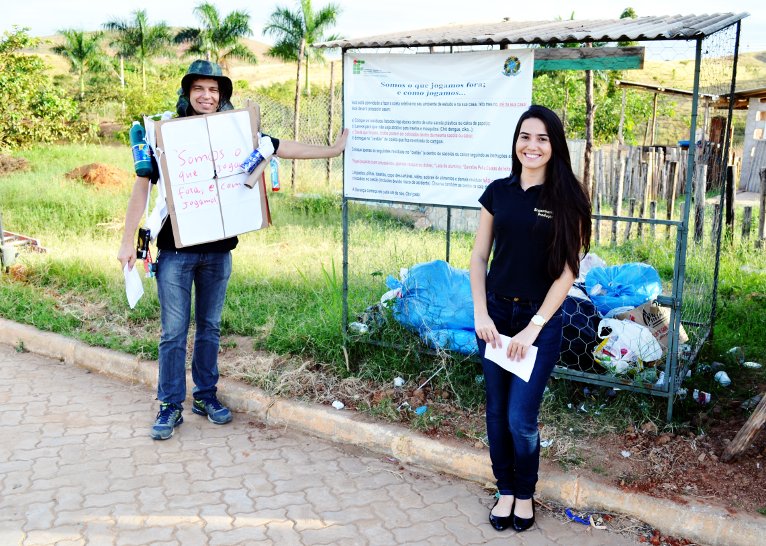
751 71
267 71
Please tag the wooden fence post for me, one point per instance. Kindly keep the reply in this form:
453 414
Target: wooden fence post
330 116
672 189
597 225
730 199
653 216
618 197
747 222
747 432
716 220
699 202
631 212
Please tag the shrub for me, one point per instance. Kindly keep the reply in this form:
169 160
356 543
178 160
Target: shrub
32 110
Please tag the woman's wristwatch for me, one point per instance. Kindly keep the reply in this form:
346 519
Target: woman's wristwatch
538 320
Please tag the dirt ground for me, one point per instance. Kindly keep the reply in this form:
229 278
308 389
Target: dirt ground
675 465
679 466
100 175
9 164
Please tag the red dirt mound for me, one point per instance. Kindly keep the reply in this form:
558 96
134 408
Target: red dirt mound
101 175
9 164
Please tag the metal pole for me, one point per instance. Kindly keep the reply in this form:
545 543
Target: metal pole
344 214
726 145
449 230
679 269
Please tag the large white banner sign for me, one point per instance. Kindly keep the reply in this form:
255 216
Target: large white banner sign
432 128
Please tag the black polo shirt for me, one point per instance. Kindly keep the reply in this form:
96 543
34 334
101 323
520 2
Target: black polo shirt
523 235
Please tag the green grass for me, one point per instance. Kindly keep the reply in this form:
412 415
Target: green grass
285 291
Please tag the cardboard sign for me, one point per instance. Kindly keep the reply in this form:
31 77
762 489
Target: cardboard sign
200 158
657 319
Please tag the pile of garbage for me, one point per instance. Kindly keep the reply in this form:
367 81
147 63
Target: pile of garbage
611 318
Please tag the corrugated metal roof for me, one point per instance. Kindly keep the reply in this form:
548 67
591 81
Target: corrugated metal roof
665 27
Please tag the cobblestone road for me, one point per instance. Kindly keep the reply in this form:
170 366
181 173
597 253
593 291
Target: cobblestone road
77 467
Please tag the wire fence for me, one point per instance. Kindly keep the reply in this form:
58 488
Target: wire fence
319 123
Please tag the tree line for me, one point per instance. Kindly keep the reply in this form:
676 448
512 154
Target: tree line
34 109
137 43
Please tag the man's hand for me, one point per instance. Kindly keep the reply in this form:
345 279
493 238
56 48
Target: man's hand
127 254
340 142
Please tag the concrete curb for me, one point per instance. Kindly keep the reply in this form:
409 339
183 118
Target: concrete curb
693 520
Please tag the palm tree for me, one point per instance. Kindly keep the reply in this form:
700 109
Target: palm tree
295 32
83 52
218 40
137 39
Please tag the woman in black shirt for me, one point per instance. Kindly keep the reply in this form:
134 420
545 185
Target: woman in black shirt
535 223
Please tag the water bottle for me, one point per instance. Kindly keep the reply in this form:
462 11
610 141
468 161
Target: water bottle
141 160
274 163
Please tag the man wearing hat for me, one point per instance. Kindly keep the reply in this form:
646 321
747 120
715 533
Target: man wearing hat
207 267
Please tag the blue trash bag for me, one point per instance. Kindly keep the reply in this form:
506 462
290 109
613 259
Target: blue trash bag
436 303
622 286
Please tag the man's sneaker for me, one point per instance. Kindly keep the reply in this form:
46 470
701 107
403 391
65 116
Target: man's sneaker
216 412
167 419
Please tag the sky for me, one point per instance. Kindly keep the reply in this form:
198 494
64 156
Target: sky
360 18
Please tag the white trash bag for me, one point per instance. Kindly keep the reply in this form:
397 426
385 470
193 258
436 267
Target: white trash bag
625 345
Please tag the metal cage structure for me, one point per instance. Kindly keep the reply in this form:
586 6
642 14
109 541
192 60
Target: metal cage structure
689 178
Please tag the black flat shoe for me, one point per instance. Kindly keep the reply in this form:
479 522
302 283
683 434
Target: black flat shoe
501 523
522 524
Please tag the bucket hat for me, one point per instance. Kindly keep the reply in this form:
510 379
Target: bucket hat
206 69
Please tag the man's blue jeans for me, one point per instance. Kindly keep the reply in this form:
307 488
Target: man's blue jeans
176 273
513 405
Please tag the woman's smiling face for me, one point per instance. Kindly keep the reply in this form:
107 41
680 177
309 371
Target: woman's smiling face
533 147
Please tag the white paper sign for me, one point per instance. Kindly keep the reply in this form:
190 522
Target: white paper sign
432 128
206 196
243 205
231 140
522 368
189 156
134 288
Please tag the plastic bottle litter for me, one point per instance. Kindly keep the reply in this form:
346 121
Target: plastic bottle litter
723 378
274 164
398 382
546 443
750 403
752 365
358 328
142 162
263 151
338 405
579 519
701 397
737 354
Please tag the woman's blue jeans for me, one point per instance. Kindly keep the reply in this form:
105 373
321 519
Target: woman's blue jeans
513 405
176 273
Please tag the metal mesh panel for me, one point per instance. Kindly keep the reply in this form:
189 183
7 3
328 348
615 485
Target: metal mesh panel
320 122
658 201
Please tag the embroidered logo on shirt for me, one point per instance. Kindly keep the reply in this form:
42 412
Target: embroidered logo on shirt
543 213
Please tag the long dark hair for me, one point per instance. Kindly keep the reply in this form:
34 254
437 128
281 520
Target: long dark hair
562 193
